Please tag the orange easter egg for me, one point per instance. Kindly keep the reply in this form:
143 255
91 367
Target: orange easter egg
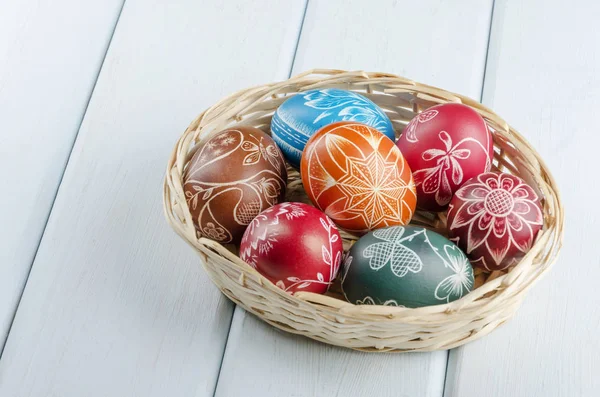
358 177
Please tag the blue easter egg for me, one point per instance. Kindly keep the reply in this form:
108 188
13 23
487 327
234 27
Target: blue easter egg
298 118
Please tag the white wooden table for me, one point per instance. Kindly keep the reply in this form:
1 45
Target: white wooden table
98 297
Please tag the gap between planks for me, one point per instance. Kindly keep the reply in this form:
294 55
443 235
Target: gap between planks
485 69
64 168
234 307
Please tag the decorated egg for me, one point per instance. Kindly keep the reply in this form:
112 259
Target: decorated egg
445 146
495 218
358 177
232 178
405 266
299 117
295 246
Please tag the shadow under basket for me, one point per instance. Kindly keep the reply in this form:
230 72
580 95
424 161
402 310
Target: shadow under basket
328 318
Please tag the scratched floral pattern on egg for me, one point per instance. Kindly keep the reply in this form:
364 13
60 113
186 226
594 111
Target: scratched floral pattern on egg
444 146
232 178
495 218
299 117
295 246
406 266
358 177
423 117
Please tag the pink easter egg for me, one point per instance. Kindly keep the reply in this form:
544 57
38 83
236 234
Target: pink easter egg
445 146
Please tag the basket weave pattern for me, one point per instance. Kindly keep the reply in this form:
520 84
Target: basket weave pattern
328 318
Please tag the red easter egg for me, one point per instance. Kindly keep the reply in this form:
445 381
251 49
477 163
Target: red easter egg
494 218
358 177
445 146
294 245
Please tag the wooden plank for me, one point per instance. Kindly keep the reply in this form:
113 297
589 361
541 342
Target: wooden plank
433 42
116 303
263 361
542 77
397 37
47 73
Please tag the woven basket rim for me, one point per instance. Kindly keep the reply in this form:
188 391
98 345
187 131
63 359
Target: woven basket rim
517 282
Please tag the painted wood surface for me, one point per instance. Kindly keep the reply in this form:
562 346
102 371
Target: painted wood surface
261 361
542 77
435 42
116 303
47 73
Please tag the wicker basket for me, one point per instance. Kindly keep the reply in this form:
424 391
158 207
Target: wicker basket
328 318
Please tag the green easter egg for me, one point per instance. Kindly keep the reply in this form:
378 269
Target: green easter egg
406 266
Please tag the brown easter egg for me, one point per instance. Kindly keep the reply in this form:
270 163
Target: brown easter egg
233 177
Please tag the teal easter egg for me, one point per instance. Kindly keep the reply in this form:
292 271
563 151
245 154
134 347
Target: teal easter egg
299 117
405 266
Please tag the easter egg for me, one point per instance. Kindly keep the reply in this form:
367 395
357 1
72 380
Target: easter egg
445 146
232 178
358 177
299 117
495 218
295 246
405 266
